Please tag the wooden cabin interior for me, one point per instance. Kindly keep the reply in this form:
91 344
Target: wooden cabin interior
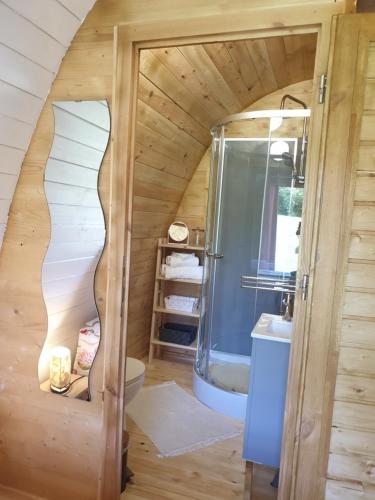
187 241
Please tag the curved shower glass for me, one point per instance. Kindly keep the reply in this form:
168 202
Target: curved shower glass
253 221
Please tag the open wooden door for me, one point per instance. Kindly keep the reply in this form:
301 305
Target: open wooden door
342 318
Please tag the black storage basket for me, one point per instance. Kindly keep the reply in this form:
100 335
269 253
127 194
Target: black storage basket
178 333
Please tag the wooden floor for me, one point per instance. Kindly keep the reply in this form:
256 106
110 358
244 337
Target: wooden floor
215 472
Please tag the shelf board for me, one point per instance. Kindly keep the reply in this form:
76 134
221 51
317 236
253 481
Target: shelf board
165 244
176 312
180 280
191 347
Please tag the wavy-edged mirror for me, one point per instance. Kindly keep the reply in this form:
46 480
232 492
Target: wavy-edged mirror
81 137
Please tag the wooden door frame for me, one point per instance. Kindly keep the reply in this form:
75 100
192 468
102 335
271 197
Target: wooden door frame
351 37
129 39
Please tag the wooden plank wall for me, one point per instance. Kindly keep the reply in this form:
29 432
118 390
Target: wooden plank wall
28 65
192 208
81 135
351 468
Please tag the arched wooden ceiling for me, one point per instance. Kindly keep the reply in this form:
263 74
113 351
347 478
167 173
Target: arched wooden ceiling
183 91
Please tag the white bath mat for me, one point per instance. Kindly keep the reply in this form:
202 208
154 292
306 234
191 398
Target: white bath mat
176 422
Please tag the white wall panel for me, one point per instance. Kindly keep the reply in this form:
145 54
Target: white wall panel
21 35
34 36
64 302
70 234
50 16
10 160
73 283
95 111
59 171
78 7
7 185
19 104
81 313
76 129
71 195
73 250
4 208
19 71
14 133
64 269
73 152
63 214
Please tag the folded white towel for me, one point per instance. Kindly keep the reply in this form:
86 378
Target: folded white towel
192 273
183 256
181 303
175 261
181 299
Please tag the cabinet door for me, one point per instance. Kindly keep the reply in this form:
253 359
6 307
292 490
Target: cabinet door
343 295
265 403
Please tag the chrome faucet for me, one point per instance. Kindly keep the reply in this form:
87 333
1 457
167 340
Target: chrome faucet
287 306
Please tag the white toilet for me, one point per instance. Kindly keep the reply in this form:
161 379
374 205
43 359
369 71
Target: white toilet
135 376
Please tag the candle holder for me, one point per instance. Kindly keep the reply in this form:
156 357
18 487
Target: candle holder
60 369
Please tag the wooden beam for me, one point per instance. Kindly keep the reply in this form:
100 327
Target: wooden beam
119 238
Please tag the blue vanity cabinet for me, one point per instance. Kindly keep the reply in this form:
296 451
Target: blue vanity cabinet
266 401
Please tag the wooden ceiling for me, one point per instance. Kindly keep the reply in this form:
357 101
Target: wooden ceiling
183 91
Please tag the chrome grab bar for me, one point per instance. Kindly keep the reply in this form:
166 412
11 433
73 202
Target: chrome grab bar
270 284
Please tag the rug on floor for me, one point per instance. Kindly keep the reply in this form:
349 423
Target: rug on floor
177 422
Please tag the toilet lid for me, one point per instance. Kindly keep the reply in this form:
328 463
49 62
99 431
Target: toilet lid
134 369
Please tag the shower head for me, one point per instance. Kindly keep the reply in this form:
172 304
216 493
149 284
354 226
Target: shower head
288 160
287 157
283 156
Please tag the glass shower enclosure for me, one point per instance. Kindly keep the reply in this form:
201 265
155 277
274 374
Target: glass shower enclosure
253 223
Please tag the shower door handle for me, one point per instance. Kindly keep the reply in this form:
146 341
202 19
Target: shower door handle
214 255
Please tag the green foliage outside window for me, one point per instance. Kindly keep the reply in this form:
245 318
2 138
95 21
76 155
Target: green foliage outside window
290 201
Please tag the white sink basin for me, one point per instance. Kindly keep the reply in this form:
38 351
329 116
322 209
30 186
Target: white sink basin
272 327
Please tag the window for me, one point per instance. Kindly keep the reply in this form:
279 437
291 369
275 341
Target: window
289 213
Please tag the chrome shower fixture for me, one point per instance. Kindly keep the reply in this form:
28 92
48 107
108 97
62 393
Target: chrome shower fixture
300 177
291 98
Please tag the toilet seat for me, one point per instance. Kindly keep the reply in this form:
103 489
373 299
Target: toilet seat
135 370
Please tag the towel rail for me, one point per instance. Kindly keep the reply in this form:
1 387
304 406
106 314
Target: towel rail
270 284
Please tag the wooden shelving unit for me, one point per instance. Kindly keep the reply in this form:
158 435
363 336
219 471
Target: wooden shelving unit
164 287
